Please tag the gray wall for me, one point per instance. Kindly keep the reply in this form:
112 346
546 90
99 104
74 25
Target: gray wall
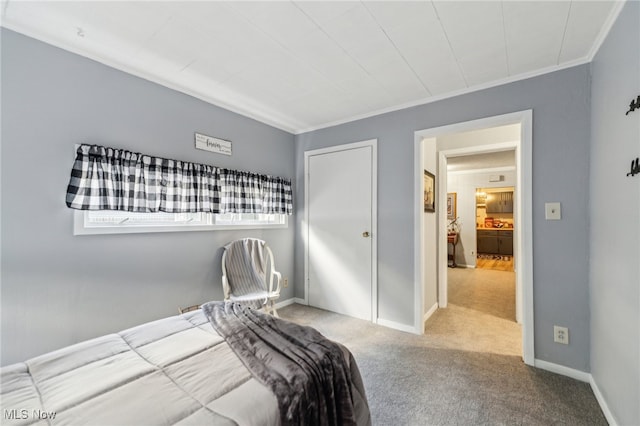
561 114
58 289
615 219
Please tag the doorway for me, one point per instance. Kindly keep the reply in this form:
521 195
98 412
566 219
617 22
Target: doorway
494 226
340 232
426 145
481 288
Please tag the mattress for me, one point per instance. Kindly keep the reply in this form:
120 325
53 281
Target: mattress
174 371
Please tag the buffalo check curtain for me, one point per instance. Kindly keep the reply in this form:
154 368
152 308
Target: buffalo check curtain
114 179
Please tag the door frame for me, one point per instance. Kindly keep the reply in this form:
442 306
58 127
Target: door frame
373 143
523 230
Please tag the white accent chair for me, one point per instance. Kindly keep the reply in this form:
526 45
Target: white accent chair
246 264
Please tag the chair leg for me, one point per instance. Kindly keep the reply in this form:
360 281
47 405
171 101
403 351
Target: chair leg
270 308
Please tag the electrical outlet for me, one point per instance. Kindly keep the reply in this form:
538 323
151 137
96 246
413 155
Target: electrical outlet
285 282
561 335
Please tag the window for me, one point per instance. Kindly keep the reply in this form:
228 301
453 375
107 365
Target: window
89 222
113 190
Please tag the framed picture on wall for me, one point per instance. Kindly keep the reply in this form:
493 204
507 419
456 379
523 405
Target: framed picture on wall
429 192
451 205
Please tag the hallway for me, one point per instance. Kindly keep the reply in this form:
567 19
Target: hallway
480 316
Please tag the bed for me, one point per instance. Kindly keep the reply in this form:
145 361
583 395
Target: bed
174 371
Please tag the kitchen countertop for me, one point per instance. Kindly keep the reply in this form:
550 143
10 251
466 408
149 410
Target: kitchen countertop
493 229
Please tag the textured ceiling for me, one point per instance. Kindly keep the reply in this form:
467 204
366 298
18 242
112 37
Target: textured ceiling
305 65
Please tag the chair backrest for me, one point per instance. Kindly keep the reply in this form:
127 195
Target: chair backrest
245 263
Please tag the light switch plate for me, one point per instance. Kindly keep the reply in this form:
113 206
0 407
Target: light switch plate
552 211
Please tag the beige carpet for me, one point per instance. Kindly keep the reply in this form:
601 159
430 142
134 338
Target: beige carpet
466 369
481 313
484 290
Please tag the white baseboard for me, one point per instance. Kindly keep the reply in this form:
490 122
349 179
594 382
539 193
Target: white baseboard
603 403
285 303
561 369
291 301
544 365
380 321
460 265
396 326
583 377
430 312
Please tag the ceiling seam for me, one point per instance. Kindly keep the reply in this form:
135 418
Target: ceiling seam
446 36
191 62
422 83
564 33
276 41
5 7
332 39
143 45
341 48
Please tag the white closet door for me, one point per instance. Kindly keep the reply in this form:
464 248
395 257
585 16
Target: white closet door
340 243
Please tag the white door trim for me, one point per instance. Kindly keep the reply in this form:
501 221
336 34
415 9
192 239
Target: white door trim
524 219
373 143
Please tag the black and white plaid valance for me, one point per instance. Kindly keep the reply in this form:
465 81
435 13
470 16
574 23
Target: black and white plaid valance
114 179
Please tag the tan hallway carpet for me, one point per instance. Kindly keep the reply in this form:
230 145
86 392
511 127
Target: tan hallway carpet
481 315
483 290
455 374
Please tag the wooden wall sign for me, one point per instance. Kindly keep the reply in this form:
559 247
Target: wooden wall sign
209 143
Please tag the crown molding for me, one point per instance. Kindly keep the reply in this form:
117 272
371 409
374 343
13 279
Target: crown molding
272 118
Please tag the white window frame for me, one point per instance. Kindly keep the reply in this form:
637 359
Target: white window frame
85 223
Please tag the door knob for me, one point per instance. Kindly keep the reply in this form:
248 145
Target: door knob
365 234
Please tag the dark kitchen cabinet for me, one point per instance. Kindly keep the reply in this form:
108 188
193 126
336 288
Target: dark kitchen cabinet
495 242
487 242
505 242
500 202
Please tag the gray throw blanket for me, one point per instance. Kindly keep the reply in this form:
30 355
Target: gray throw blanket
307 372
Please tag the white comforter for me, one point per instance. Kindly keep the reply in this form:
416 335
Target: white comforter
176 370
